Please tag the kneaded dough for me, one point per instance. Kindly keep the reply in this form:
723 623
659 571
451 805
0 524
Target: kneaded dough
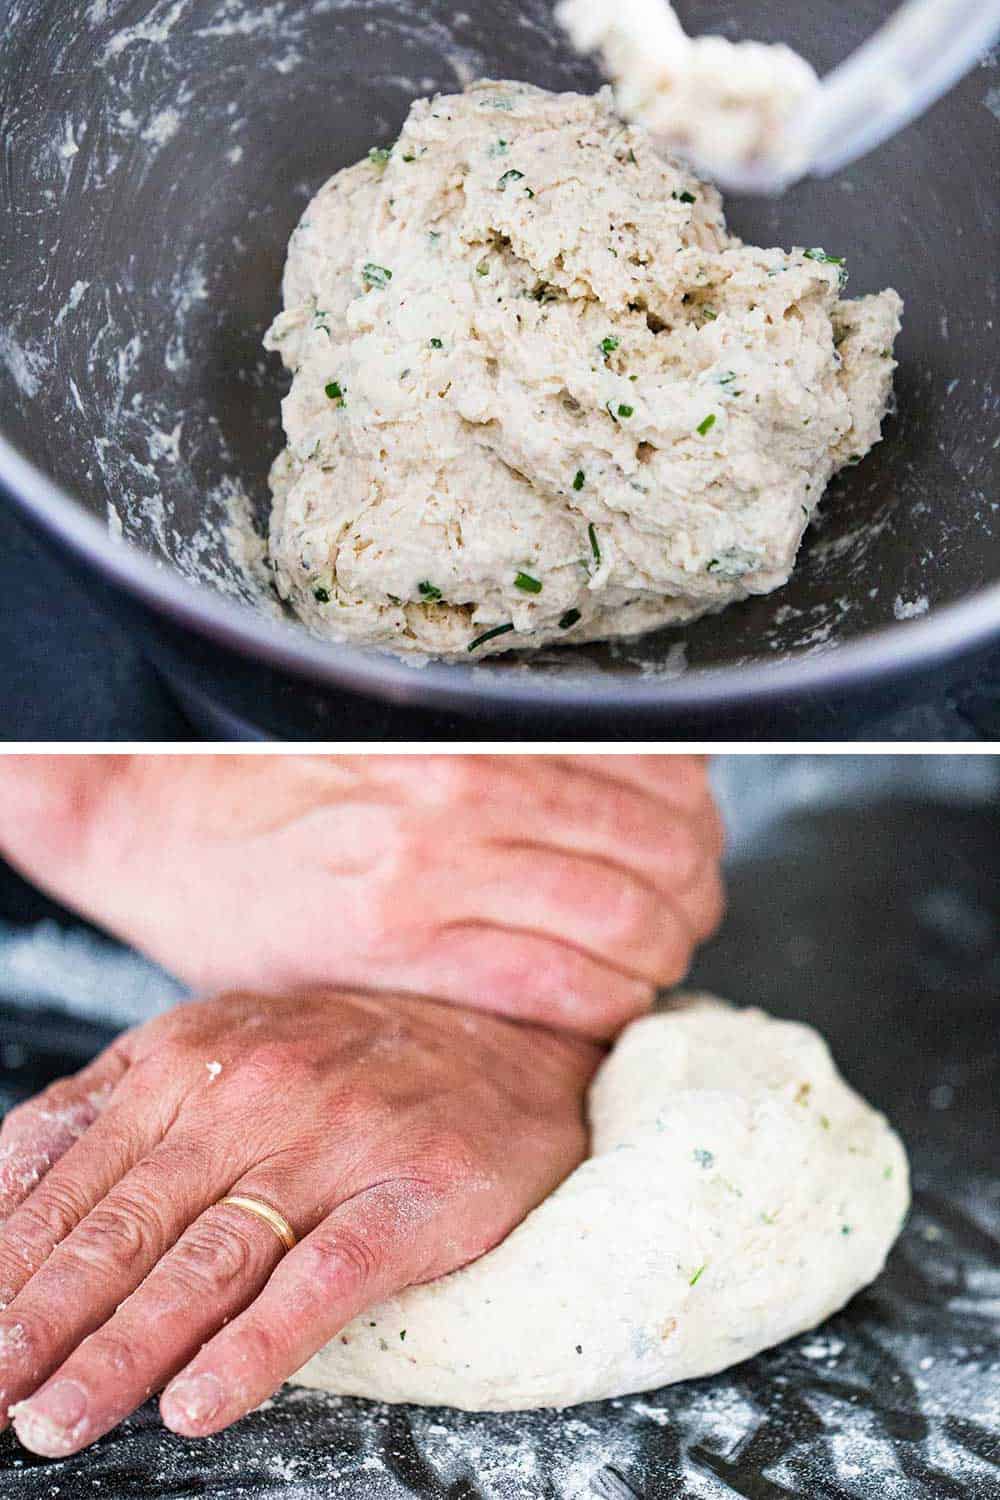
737 1193
723 106
541 394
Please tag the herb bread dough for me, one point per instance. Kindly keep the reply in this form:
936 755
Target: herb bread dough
541 394
737 1193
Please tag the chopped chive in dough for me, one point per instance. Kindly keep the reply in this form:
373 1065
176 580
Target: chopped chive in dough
625 412
570 618
483 268
824 1120
379 155
580 480
818 253
392 600
633 158
512 176
499 148
708 424
710 313
490 635
527 583
377 275
610 344
697 1275
409 157
702 1157
437 343
845 1228
887 1173
402 1334
684 197
335 392
430 592
321 596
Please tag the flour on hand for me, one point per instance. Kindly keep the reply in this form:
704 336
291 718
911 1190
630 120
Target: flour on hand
541 394
738 1192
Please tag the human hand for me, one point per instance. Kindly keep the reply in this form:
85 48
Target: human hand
560 889
399 1138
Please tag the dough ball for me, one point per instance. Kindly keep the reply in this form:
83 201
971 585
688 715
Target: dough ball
738 1192
541 394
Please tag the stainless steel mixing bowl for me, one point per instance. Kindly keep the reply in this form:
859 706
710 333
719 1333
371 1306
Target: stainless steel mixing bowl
156 155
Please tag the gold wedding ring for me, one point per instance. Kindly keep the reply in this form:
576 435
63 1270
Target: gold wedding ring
271 1216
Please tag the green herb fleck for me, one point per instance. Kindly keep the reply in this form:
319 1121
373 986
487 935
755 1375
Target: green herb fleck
579 480
429 591
887 1173
379 155
845 1228
321 596
824 1120
818 253
483 268
698 1275
497 103
409 157
392 600
528 584
376 275
335 392
710 314
633 158
499 148
594 544
490 635
684 197
437 343
769 1218
708 424
625 412
570 618
402 1334
579 1348
512 176
702 1157
610 344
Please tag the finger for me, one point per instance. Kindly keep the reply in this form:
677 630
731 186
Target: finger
610 913
364 1251
131 1125
523 975
38 1133
214 1271
676 781
102 1260
570 805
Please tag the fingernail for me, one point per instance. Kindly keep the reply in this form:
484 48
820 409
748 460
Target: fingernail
50 1423
192 1401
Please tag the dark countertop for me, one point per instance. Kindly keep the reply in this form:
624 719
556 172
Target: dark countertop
69 672
877 921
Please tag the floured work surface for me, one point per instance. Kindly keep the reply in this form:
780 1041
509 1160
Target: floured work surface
898 1396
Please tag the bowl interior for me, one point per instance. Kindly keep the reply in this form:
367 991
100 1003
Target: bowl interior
157 156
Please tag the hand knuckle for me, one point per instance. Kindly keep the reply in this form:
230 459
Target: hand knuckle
341 1264
118 1234
213 1253
110 1350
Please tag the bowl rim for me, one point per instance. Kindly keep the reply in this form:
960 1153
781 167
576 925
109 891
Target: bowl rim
890 651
